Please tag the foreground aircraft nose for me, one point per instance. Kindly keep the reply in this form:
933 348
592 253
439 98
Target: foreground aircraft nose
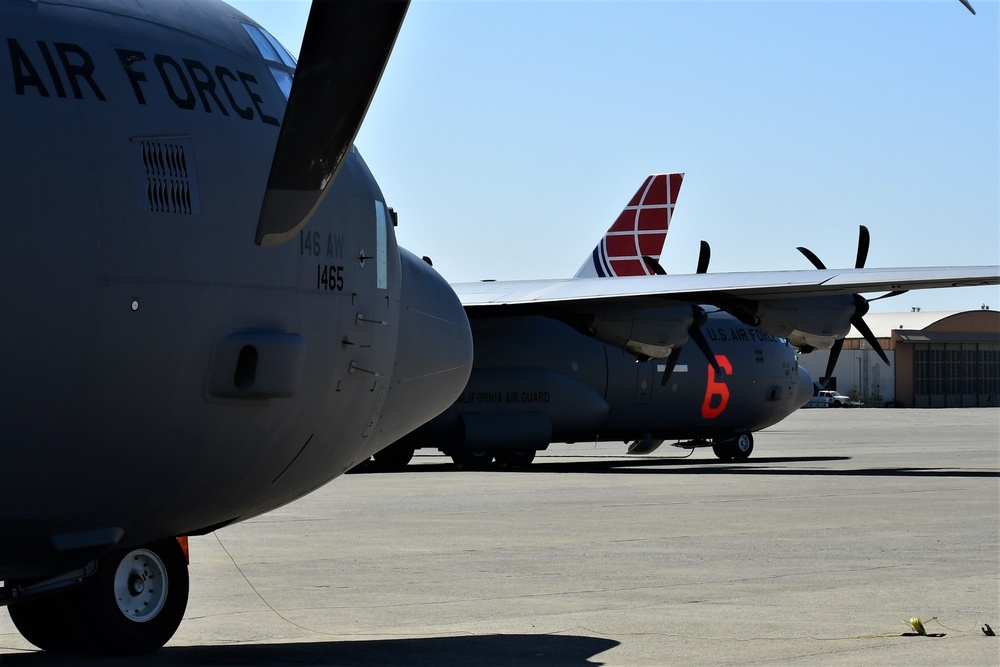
434 359
805 387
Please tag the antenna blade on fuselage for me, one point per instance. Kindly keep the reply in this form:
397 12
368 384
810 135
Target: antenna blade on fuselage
344 52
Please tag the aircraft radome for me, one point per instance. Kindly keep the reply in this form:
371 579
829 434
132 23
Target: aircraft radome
208 313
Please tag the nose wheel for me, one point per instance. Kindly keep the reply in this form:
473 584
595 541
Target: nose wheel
141 585
734 449
133 604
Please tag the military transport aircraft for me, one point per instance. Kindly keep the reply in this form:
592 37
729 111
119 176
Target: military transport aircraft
208 314
568 370
537 380
183 351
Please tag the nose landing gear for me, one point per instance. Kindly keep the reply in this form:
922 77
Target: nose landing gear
734 449
132 604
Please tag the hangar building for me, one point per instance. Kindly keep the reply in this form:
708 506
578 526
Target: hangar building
939 359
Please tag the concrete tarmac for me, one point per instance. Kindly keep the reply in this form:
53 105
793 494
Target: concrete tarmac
841 525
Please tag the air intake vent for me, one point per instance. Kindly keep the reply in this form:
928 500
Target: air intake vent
168 184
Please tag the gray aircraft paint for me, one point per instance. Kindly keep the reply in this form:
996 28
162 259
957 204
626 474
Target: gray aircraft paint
164 374
536 380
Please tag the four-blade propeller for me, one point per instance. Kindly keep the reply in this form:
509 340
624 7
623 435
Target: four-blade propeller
860 306
700 317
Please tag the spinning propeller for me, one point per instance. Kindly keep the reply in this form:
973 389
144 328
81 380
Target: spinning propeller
860 305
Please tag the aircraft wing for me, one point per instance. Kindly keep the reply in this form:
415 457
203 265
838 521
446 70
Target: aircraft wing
722 289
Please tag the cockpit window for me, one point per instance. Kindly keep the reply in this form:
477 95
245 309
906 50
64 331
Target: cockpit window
284 80
268 46
279 60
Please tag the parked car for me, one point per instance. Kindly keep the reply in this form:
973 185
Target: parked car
830 399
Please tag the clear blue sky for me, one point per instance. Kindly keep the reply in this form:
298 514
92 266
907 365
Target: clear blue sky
508 135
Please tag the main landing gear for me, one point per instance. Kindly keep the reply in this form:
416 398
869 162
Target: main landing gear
481 459
393 457
132 604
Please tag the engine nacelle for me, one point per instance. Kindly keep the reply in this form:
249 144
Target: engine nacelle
646 333
809 323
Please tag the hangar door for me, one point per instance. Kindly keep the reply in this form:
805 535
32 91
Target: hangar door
954 375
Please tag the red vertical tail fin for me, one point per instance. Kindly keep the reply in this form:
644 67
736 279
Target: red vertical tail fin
639 231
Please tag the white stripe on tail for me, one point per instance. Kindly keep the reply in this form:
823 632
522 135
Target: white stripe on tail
640 230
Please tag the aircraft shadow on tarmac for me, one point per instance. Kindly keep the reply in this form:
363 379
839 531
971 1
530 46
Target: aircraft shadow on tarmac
687 466
544 650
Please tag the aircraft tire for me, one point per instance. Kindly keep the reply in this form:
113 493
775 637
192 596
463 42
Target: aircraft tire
393 457
735 449
742 446
473 459
137 598
516 458
723 451
48 623
133 604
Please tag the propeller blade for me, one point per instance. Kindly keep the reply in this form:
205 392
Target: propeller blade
654 265
695 334
968 6
344 52
832 362
860 305
864 240
704 256
861 326
811 256
699 339
668 370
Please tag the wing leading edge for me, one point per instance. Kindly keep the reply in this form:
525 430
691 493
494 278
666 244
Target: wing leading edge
652 316
719 289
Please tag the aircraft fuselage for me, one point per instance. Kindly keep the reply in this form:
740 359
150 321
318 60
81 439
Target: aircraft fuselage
536 380
164 374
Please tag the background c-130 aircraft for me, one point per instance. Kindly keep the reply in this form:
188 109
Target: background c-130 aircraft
539 378
208 312
559 370
553 368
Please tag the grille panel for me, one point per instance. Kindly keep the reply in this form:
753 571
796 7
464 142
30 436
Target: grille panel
169 183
